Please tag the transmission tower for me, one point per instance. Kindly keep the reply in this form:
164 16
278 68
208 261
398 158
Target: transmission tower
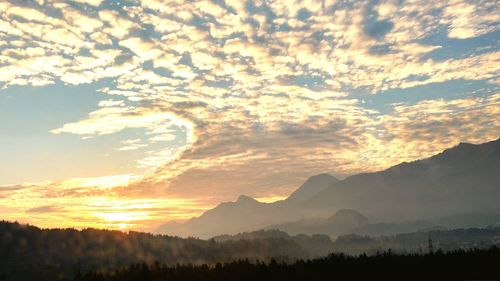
431 247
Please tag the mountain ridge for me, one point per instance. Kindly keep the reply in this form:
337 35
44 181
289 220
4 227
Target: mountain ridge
441 182
312 185
439 185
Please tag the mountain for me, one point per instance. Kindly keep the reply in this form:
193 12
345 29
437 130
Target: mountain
464 179
225 218
342 222
247 214
393 228
352 222
312 186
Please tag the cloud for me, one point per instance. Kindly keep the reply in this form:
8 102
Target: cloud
375 27
91 206
146 50
467 20
158 127
90 2
44 209
237 98
110 120
132 145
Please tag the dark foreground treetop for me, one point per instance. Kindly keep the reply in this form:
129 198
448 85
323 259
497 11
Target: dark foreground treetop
456 265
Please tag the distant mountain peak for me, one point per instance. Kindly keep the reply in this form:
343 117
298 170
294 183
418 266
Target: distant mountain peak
312 186
244 198
486 145
468 151
349 216
464 177
321 176
460 146
347 212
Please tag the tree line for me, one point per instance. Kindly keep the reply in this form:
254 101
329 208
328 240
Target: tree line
455 265
30 253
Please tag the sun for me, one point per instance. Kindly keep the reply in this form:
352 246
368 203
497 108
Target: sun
122 226
121 220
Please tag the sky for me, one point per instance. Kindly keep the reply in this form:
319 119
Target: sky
129 114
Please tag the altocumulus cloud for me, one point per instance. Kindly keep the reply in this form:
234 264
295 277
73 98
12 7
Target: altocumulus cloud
264 93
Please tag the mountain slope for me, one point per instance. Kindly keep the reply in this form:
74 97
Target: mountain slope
342 222
247 214
460 180
463 179
225 218
312 186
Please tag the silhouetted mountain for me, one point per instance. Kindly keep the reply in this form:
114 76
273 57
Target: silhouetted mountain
464 179
342 222
248 214
384 228
312 186
225 218
352 222
257 234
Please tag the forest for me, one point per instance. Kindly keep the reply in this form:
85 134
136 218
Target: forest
30 253
455 265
